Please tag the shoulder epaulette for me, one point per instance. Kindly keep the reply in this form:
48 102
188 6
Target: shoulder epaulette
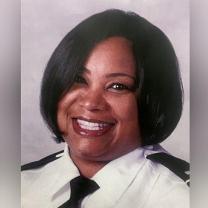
179 167
41 162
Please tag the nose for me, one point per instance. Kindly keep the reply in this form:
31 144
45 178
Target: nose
93 100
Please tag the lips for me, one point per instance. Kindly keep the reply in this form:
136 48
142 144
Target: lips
91 128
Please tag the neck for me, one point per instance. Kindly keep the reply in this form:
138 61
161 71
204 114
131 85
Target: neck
88 168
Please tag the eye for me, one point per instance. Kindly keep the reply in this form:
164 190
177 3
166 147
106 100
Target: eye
118 87
80 80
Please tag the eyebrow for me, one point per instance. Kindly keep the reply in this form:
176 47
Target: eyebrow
114 74
120 74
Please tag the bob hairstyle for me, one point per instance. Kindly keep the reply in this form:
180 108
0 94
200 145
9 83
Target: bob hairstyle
161 97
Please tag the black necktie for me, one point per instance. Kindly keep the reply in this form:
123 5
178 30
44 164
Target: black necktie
80 187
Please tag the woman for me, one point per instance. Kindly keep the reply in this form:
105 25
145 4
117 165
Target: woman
112 91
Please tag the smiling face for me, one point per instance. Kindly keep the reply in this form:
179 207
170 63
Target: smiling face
99 115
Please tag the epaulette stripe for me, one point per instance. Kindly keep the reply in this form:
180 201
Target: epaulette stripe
42 162
176 165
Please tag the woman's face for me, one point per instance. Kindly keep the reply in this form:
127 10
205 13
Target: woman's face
99 116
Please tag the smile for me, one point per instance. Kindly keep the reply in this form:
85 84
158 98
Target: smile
91 128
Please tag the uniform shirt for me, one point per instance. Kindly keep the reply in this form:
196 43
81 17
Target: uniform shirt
129 181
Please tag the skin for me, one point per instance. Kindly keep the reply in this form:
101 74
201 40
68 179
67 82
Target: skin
104 92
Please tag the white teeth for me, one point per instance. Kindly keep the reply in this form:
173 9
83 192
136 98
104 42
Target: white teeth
91 125
90 128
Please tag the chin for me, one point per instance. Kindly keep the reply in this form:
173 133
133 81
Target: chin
90 154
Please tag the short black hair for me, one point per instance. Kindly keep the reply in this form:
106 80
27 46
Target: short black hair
161 97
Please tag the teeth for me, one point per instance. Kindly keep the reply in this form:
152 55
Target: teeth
90 128
91 125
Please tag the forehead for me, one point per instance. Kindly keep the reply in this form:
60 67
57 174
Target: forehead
115 41
112 54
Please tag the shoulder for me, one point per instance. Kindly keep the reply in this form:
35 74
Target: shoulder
44 168
42 162
165 163
176 165
38 180
171 184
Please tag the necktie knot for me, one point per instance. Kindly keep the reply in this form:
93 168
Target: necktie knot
80 187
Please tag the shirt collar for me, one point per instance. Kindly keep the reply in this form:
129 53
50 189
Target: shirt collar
113 179
152 149
66 171
68 168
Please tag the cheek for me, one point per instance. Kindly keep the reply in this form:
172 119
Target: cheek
126 113
64 107
62 117
126 108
